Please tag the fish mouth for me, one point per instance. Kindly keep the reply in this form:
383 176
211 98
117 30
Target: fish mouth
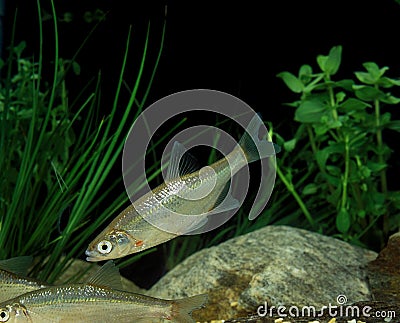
91 256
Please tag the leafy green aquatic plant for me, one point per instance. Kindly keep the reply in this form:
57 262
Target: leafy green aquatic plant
331 176
55 165
336 164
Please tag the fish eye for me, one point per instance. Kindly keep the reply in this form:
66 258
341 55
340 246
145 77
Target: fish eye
4 315
104 247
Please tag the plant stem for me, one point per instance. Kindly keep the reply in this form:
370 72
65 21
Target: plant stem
331 98
315 150
346 171
311 85
296 196
379 141
312 140
381 160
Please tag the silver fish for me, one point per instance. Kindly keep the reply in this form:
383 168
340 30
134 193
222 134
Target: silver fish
96 301
13 279
134 229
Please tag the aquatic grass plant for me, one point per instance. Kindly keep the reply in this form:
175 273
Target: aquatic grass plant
56 161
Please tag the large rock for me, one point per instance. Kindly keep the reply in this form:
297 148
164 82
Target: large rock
279 265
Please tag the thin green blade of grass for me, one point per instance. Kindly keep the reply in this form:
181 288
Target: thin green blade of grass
6 107
74 190
144 98
108 159
33 142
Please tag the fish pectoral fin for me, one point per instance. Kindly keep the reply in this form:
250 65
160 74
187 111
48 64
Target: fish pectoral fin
107 276
179 224
17 265
199 223
35 315
226 203
180 162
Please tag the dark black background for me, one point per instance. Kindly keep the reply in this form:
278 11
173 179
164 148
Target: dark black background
233 47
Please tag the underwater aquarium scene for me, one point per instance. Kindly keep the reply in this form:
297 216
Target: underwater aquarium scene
208 162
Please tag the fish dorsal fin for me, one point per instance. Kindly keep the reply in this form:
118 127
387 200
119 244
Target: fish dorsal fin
17 265
180 163
107 276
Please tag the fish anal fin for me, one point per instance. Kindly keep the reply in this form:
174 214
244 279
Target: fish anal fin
107 276
183 308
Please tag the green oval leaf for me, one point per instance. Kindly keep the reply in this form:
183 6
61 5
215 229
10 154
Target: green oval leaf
374 70
373 74
310 189
291 81
322 155
352 104
345 84
330 64
368 93
333 61
388 82
393 125
310 111
321 60
390 99
376 167
290 144
305 73
340 96
365 78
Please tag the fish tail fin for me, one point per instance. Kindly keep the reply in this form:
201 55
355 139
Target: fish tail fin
183 308
253 147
